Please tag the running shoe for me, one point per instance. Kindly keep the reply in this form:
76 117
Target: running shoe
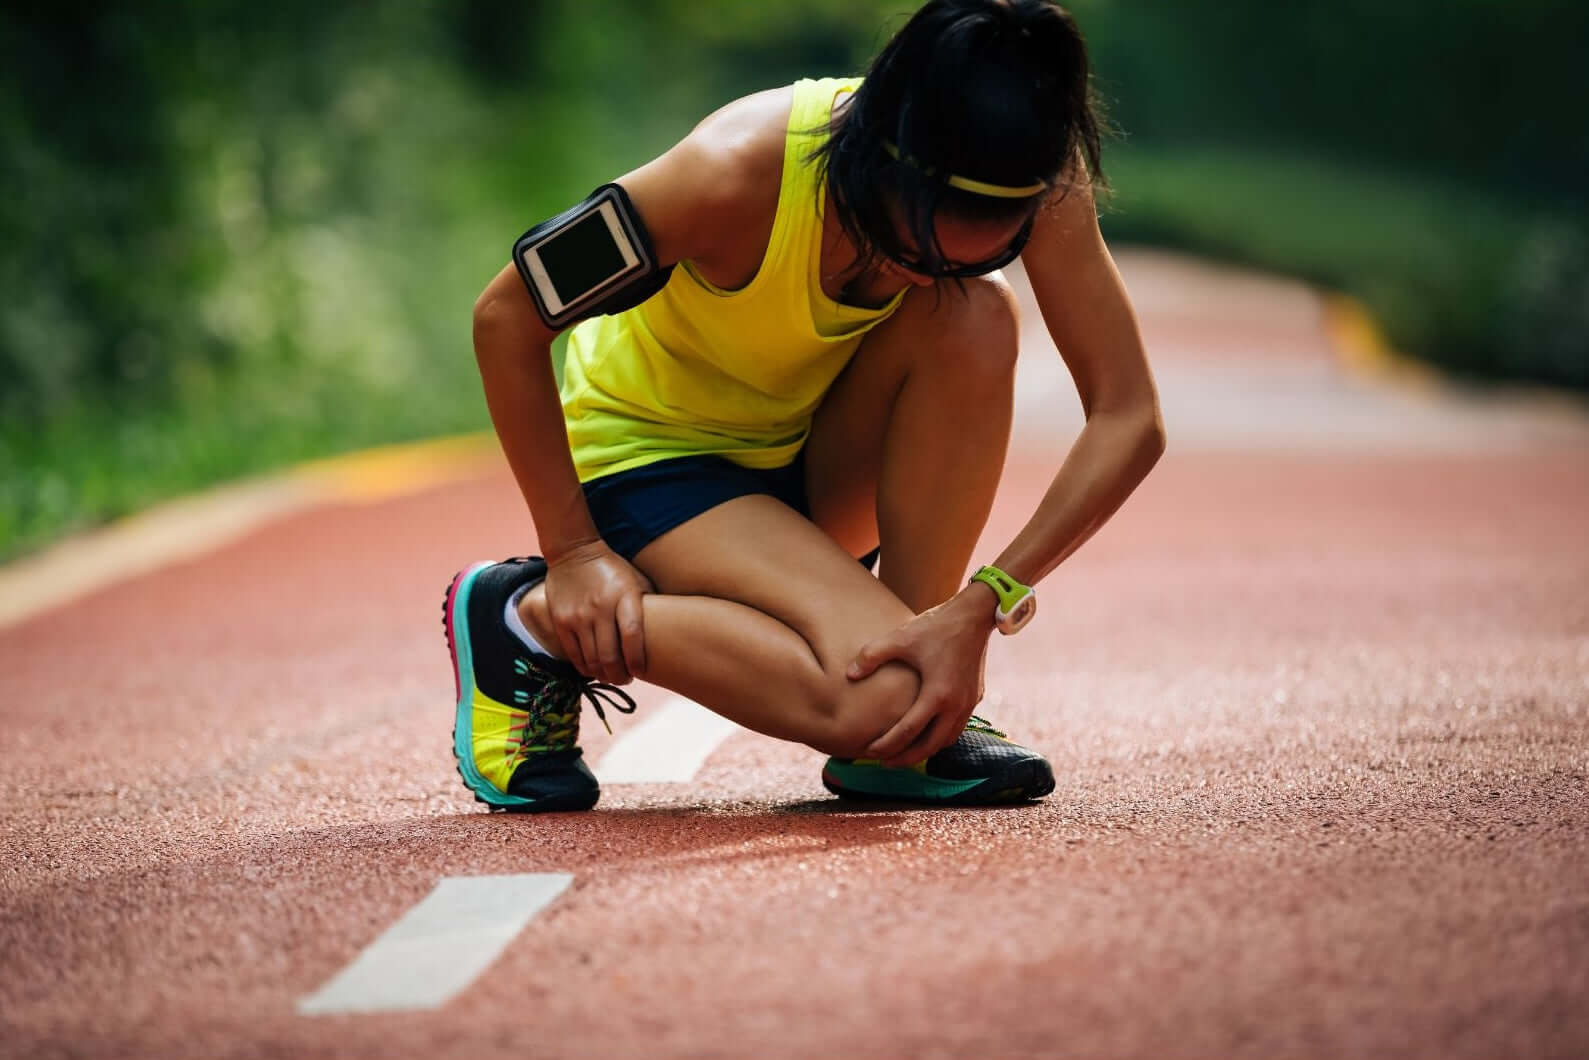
516 733
982 768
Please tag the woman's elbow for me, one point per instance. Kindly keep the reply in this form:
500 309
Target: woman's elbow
490 314
1151 437
504 321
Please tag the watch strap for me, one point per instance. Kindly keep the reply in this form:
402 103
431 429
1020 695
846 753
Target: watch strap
1009 591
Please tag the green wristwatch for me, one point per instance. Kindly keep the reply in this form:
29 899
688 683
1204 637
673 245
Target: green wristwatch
1017 602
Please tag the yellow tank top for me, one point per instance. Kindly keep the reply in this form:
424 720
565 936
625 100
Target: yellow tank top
696 369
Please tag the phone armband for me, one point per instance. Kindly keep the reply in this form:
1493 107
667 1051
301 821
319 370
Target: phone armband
591 259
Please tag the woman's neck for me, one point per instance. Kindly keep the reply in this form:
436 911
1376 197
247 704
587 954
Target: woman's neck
843 278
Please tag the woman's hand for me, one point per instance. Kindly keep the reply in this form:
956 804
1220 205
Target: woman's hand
948 647
593 596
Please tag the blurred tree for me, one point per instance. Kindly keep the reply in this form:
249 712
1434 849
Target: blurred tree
1490 94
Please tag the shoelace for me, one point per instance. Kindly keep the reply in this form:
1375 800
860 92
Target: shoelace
553 725
983 725
597 693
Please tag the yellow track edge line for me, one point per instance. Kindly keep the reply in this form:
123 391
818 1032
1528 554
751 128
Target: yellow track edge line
378 474
202 522
1366 354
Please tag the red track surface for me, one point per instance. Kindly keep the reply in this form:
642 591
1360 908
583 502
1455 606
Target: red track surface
1320 719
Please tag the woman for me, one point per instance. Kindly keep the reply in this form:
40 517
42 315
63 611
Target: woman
827 374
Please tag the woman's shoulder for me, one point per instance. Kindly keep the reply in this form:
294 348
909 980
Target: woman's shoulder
720 182
743 142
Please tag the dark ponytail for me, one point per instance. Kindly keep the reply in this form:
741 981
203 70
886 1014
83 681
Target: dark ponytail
994 91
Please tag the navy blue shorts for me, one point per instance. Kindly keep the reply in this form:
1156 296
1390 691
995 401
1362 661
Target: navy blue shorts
633 508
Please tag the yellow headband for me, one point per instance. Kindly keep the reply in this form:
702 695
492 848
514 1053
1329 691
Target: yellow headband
975 187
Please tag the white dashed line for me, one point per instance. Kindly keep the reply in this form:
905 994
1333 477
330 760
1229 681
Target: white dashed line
669 746
437 948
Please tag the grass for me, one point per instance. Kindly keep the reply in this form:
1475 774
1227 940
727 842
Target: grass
89 464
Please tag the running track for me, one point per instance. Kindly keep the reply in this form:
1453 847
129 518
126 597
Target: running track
1318 702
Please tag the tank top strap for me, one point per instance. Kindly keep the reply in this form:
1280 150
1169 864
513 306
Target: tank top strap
800 194
796 241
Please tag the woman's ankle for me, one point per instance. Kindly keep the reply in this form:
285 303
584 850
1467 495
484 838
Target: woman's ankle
537 618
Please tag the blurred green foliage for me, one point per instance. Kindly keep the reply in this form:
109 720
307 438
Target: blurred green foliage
1466 90
1429 158
236 235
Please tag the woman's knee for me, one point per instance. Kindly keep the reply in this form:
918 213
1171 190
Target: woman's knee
990 323
974 331
856 713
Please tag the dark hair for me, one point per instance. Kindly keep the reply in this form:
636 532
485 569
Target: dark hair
996 91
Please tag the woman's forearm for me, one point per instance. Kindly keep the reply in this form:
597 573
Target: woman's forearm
1113 454
521 393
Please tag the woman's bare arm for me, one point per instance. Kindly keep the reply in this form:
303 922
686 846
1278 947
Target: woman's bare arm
684 197
1088 314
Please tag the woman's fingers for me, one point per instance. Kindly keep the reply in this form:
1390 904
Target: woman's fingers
930 702
631 633
607 644
594 597
609 653
568 640
938 723
950 732
889 648
902 734
588 660
927 743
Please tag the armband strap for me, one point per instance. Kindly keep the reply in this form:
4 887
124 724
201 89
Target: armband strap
592 259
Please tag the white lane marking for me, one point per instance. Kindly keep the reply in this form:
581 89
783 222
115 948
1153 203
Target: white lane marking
671 745
437 948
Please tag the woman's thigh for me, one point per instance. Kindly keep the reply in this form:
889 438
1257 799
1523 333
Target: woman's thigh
757 551
919 418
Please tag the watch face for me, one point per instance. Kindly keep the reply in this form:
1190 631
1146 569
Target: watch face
1019 615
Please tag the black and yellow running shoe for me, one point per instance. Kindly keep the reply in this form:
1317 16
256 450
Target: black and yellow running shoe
982 768
516 731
